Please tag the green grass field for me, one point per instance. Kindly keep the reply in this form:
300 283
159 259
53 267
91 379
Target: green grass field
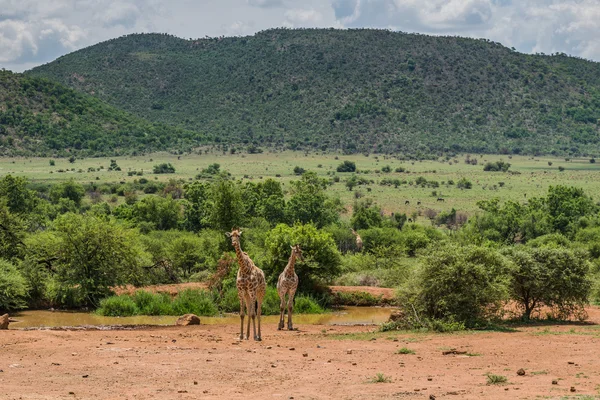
535 175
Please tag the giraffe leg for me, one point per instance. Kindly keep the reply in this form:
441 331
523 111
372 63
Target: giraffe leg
281 311
249 308
259 301
252 312
290 305
242 314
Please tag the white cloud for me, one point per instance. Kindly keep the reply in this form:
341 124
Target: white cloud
303 17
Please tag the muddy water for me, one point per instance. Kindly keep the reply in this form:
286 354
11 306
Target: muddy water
345 316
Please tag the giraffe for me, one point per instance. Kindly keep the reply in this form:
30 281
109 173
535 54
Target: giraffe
359 242
288 283
251 286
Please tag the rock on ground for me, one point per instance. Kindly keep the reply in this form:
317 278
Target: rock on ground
4 321
188 319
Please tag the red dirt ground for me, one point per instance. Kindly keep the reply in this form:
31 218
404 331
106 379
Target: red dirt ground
315 362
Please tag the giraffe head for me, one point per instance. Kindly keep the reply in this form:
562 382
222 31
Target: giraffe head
234 235
297 252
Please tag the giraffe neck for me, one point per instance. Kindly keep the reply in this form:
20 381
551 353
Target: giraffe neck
244 266
289 269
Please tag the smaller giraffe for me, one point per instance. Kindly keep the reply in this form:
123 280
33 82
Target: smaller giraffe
288 283
359 242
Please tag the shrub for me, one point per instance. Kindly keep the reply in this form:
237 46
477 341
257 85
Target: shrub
164 168
13 287
307 305
199 302
299 170
117 306
496 166
496 379
464 183
464 285
152 303
347 166
405 350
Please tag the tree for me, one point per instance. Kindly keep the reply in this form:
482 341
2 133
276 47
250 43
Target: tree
227 208
309 203
94 255
70 190
461 284
196 206
566 205
12 234
19 199
553 277
322 258
13 288
162 212
366 215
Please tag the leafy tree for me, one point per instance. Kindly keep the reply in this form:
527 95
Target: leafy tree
162 212
19 199
322 259
227 209
197 206
13 287
554 277
566 205
12 233
366 215
96 255
69 190
309 203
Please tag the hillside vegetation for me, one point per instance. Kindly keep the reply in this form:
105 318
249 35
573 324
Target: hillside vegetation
356 90
41 117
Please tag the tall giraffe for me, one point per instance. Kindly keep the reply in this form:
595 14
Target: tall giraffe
251 286
359 242
288 284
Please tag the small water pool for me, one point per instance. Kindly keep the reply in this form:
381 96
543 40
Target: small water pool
46 318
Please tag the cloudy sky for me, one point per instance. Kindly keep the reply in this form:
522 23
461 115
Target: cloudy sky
33 32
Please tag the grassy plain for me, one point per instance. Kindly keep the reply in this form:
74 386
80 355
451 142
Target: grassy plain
535 175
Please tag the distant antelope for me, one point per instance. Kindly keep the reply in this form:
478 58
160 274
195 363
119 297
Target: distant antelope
440 199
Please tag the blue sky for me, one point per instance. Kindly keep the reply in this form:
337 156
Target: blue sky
33 32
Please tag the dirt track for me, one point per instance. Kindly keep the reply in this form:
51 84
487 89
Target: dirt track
316 362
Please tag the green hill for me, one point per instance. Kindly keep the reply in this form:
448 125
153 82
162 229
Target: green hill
40 117
357 90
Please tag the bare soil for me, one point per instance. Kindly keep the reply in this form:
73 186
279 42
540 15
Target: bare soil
314 362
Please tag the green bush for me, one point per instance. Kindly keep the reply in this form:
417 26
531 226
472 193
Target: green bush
464 285
117 306
307 305
152 304
197 302
13 287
